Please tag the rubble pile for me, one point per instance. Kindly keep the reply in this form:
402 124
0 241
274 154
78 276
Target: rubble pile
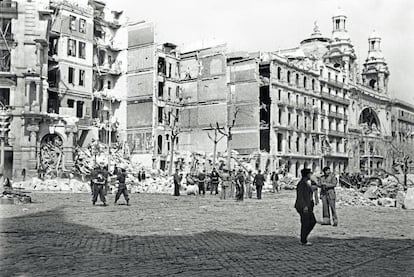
288 182
352 197
58 184
12 195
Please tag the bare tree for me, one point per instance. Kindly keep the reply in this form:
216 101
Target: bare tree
227 132
174 130
215 139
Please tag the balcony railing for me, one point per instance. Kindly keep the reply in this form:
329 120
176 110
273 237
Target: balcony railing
334 98
336 115
333 82
406 117
336 133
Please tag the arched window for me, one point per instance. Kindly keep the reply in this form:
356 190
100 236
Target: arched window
279 73
288 77
297 80
159 144
305 82
313 84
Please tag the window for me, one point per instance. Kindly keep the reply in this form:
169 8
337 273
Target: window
82 52
297 99
72 23
79 109
314 124
305 82
279 73
71 103
337 24
279 94
72 47
280 117
177 92
109 59
321 105
336 78
279 142
297 144
288 77
289 119
169 93
109 84
289 142
289 97
160 89
329 75
297 121
71 75
337 146
313 84
5 96
160 114
297 80
322 124
82 77
82 25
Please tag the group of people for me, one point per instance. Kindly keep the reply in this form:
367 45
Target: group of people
99 183
307 197
236 183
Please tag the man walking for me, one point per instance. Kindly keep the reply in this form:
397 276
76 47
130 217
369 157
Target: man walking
259 182
215 179
202 182
328 197
304 205
99 180
122 188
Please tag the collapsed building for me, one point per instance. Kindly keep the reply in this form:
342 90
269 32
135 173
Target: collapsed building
76 71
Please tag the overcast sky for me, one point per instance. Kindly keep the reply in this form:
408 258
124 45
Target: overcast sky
272 24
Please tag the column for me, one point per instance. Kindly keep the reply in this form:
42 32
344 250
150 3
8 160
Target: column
27 94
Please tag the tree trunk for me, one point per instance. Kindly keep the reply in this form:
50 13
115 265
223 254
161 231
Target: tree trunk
171 156
214 153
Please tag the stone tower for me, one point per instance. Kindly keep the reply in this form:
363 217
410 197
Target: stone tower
341 52
375 72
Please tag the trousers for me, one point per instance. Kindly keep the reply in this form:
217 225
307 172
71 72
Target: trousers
214 187
122 189
98 190
328 206
259 192
201 188
307 222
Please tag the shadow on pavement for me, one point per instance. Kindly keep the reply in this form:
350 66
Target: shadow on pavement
46 244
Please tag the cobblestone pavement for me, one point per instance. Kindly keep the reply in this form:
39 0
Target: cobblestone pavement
162 235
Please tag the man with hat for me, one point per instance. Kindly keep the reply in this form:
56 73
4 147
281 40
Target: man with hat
122 188
328 196
99 181
258 181
304 205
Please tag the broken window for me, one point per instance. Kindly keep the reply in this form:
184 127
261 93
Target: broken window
71 73
82 51
82 77
72 47
79 109
53 102
82 25
72 24
5 96
6 26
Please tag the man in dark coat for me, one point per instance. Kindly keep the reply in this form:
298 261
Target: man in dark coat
304 205
99 181
259 182
177 180
122 188
240 180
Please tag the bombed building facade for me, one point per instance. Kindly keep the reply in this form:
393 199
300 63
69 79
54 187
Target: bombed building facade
88 73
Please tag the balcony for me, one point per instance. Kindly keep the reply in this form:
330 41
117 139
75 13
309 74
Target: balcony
106 68
333 82
334 98
8 7
308 108
406 118
107 44
336 115
335 133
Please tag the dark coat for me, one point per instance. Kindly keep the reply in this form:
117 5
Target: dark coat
259 179
303 196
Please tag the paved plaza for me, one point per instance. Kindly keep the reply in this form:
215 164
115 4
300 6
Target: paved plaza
162 235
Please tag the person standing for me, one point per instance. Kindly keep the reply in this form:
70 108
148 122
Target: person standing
122 188
225 183
258 181
202 182
215 179
328 197
240 180
249 182
177 182
99 181
304 206
275 181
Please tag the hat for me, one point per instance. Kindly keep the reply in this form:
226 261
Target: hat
305 171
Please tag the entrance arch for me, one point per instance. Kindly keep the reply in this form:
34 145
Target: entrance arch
369 118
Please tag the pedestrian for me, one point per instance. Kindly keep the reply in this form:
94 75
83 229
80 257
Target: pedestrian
249 184
143 176
139 176
122 187
177 181
328 197
275 181
259 182
202 182
225 183
215 179
240 180
99 181
304 205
